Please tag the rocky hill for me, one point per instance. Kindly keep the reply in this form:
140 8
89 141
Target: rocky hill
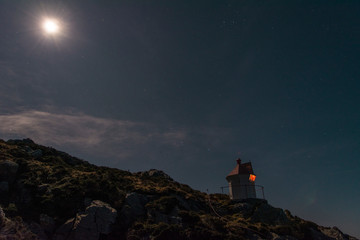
48 194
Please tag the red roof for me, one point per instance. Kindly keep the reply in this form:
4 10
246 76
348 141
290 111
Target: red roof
241 168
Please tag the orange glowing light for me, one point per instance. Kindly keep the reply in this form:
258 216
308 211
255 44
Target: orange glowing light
252 177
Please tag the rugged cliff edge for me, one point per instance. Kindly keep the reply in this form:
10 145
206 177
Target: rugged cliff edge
48 194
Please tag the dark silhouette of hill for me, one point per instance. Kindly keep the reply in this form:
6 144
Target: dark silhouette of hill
48 194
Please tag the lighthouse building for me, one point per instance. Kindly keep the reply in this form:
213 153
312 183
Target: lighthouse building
241 181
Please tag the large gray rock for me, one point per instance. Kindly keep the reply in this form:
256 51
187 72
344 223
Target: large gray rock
134 207
8 170
156 173
27 149
17 230
331 233
37 153
95 221
269 215
245 209
183 203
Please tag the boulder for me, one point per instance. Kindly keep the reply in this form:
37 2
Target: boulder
89 225
334 233
156 173
16 230
315 234
8 170
104 215
28 141
269 215
183 203
134 207
245 209
27 149
37 153
19 141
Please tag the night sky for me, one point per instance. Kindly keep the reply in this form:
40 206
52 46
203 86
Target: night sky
188 87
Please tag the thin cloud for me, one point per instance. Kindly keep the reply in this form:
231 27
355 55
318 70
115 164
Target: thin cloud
86 132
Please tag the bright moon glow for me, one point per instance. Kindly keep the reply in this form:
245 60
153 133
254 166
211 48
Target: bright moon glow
51 26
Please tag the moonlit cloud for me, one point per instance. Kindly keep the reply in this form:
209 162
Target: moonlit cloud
82 131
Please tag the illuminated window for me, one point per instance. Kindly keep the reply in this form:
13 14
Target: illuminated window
252 177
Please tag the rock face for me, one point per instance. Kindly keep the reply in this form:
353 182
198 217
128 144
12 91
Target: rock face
16 230
269 215
245 209
90 225
331 233
36 153
156 173
133 208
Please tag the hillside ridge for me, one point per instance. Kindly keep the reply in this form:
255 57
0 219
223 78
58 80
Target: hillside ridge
48 194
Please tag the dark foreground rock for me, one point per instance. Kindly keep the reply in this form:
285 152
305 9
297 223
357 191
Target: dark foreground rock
94 222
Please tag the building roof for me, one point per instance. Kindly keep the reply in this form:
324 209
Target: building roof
241 168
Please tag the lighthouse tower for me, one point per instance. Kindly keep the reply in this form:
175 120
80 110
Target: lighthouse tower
241 181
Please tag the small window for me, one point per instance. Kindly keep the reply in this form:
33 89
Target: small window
252 177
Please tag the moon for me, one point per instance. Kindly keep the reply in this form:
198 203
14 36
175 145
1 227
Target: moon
51 26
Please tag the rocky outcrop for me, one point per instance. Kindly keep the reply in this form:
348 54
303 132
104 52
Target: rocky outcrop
14 229
37 153
331 233
243 208
156 173
133 208
265 213
96 221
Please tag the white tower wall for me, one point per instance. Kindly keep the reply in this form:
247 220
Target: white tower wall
240 187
